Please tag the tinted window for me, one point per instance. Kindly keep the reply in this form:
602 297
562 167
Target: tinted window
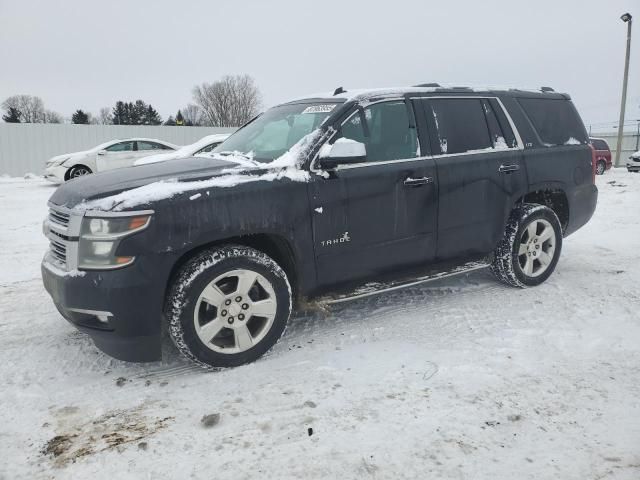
460 125
599 144
151 146
556 121
121 147
390 135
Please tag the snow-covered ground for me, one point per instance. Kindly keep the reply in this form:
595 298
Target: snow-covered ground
461 379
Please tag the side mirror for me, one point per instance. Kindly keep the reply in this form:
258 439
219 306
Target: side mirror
343 151
102 152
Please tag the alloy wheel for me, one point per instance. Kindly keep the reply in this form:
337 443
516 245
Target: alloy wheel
537 248
235 311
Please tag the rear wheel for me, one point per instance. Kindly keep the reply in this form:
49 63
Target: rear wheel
228 306
530 248
601 167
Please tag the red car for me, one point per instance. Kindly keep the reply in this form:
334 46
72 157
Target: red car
602 155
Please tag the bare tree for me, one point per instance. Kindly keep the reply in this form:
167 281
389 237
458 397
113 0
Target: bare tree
50 116
229 102
104 116
30 107
192 115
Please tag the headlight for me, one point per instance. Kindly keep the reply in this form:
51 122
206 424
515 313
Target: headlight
100 237
55 163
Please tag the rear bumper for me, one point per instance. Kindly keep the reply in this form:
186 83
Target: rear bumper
119 309
582 205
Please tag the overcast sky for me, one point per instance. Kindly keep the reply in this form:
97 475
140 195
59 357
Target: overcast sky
88 54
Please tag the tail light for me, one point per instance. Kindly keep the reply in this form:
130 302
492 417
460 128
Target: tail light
593 164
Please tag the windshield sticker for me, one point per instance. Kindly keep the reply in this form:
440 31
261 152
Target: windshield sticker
326 108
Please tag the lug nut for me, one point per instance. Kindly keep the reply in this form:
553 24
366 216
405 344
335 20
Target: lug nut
245 306
230 320
227 302
224 313
241 317
238 299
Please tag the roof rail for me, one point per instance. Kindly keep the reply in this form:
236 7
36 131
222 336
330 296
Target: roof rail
430 85
546 89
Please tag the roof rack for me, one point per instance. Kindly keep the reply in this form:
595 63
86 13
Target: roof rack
429 85
546 89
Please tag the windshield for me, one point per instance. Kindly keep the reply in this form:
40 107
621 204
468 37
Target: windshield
277 130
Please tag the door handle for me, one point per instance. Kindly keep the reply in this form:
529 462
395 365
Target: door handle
508 168
414 182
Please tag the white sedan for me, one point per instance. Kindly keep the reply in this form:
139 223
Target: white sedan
106 156
204 145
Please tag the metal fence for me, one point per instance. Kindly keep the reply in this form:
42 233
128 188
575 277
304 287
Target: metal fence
25 147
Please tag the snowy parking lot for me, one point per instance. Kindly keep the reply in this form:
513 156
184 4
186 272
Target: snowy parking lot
462 378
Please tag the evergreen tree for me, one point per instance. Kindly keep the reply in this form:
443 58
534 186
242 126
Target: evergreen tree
13 115
80 117
138 113
170 121
179 118
120 115
151 116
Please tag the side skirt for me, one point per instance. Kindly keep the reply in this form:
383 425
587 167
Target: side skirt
375 288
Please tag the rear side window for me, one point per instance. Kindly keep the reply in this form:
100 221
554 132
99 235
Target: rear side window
599 144
556 121
460 124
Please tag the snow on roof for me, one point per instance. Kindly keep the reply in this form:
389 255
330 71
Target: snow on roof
366 93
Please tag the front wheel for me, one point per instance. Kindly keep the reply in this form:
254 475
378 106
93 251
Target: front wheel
530 248
79 171
228 306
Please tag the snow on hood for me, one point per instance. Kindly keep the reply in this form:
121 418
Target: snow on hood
636 154
287 166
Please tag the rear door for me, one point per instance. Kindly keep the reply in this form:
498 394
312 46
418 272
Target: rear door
379 215
480 172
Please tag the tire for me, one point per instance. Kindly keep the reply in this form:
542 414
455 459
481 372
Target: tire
213 305
600 167
79 171
518 258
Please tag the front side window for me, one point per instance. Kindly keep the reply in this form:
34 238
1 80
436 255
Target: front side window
390 134
277 130
460 125
120 147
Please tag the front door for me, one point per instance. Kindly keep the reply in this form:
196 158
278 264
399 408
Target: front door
118 155
479 173
377 216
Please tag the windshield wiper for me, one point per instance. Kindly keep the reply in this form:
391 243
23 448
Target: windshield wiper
236 154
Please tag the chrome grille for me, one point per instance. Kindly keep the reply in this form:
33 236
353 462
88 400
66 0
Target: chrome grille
58 250
58 217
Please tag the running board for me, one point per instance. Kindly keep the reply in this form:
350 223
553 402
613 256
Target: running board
375 288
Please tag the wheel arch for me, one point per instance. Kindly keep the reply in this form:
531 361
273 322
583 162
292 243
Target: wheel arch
68 172
275 246
553 197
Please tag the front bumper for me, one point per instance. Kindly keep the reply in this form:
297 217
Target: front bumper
633 167
55 173
121 310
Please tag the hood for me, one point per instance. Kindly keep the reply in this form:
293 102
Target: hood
112 182
57 158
